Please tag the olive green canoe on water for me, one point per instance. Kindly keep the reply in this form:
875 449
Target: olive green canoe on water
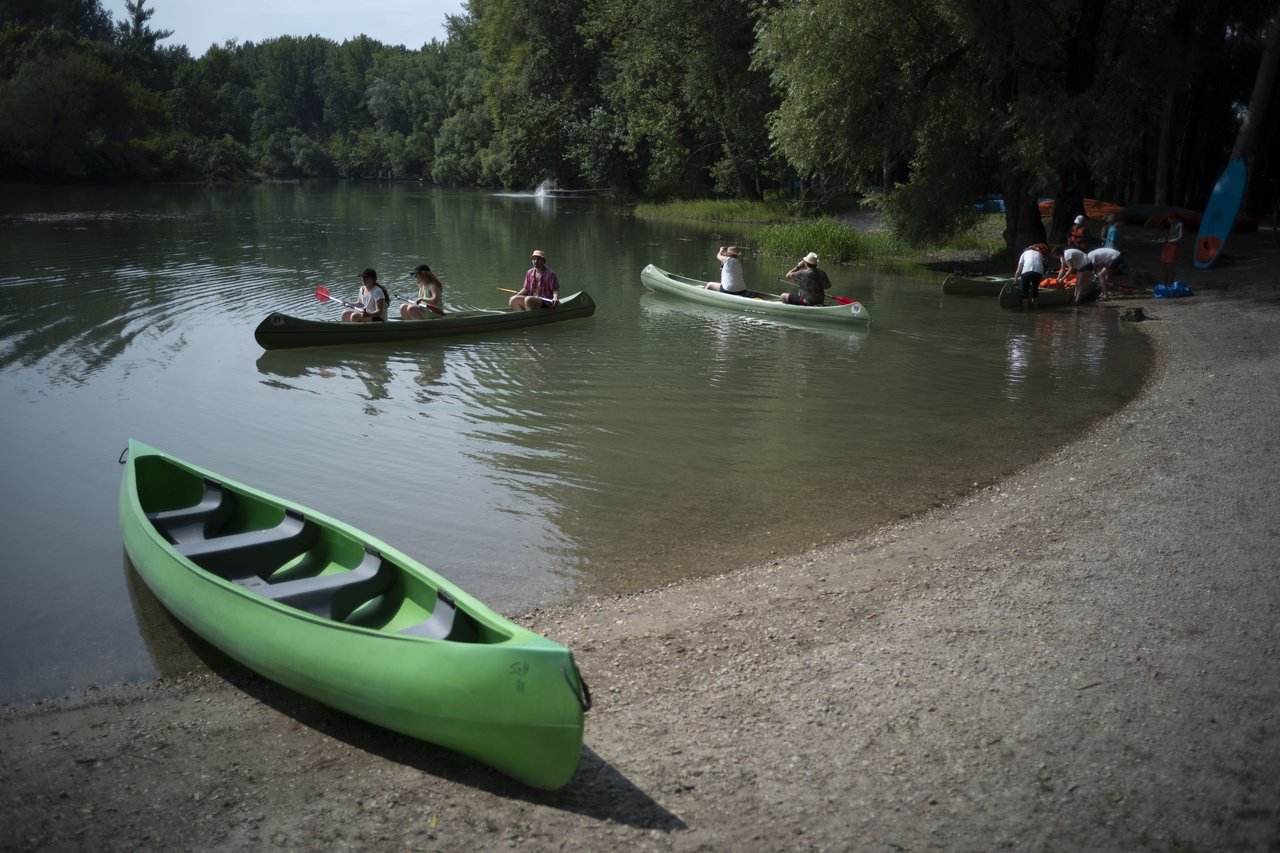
843 310
318 606
974 284
1047 297
280 331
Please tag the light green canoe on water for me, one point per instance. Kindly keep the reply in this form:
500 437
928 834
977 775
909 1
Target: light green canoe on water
328 611
843 310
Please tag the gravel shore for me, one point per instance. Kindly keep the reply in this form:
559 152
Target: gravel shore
1083 656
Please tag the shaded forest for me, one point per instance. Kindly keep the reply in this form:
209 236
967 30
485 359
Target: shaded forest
921 108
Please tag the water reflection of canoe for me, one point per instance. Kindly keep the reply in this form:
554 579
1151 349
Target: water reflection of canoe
756 303
334 614
280 331
974 284
1047 297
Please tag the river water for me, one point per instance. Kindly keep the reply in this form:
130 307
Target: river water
654 441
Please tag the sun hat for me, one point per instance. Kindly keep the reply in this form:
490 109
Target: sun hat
420 268
1080 220
537 253
811 258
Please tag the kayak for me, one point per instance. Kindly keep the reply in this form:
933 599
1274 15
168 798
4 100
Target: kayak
755 302
959 283
1050 294
326 610
280 331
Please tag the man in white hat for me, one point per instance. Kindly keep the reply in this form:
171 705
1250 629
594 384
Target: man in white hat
541 286
1078 238
810 280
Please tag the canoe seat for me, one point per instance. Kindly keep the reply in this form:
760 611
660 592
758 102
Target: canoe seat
444 623
197 521
254 553
331 596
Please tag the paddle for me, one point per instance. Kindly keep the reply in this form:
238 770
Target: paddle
509 290
322 295
426 305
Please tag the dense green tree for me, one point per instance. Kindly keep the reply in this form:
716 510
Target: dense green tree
84 18
679 96
954 99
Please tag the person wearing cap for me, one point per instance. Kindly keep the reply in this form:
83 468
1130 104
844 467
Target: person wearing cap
373 301
1028 273
1169 251
430 295
731 280
1111 232
810 281
541 286
1078 238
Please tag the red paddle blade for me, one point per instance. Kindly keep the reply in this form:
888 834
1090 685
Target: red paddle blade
842 300
322 293
435 309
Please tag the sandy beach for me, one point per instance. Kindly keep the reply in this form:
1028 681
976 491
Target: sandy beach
1084 656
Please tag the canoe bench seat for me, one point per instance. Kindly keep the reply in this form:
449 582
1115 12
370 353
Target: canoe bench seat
444 623
331 596
253 553
197 521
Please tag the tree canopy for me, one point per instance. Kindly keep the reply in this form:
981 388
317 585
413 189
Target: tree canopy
924 108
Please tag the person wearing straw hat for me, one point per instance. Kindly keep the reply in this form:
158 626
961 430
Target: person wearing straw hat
541 286
809 280
731 279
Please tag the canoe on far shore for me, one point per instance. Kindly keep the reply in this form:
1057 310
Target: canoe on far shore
281 331
848 311
326 610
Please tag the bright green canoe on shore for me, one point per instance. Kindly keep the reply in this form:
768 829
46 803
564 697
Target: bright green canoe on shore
318 606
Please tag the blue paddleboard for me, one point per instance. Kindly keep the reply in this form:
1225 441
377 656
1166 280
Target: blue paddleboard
1220 214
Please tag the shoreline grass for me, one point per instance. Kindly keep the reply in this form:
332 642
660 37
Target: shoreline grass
775 230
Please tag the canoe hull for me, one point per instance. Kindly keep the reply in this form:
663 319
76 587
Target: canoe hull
509 698
1053 297
692 289
280 331
959 284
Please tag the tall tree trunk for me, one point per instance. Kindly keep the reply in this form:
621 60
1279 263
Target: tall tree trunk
1079 75
1255 118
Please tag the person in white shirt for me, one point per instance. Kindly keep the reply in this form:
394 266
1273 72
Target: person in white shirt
373 301
1107 262
1029 272
731 280
1077 262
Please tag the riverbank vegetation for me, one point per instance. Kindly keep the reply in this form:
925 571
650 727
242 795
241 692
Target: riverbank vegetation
925 110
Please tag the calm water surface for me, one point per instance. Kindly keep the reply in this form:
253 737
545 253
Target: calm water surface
655 441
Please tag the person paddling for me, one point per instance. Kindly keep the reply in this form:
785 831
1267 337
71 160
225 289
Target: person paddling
430 295
373 301
541 286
